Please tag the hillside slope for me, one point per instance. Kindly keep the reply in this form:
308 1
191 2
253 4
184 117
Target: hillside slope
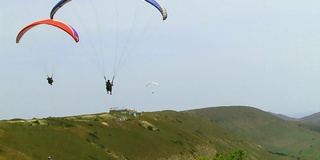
285 138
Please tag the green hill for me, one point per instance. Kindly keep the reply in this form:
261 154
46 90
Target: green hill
159 135
285 138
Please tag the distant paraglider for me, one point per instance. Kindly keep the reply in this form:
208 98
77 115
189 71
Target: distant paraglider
50 79
59 24
152 84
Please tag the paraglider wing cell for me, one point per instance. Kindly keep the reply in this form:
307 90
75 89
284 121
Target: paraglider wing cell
57 7
159 7
59 24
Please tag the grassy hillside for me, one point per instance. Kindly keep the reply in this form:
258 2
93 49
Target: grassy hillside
314 118
286 138
158 135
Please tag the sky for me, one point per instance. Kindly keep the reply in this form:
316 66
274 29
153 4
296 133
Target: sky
263 54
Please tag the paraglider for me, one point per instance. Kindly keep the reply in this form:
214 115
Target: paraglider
159 7
126 33
50 79
57 7
59 24
152 84
109 85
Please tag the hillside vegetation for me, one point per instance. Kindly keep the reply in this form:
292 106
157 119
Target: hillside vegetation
160 135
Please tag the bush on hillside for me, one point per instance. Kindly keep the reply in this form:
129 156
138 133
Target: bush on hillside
235 155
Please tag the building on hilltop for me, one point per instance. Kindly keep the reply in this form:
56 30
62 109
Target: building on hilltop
126 111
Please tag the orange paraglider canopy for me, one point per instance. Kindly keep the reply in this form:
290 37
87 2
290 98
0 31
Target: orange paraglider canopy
59 24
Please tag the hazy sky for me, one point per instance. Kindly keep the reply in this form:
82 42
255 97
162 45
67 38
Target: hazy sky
264 54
